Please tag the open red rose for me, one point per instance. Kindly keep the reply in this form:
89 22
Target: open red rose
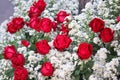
15 25
46 25
25 43
62 42
20 73
9 52
118 19
47 69
34 12
60 16
34 23
84 51
18 61
42 47
40 4
97 25
107 35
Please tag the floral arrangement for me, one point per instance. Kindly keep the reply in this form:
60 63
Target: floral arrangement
48 40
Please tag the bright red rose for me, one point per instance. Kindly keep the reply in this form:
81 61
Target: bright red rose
84 51
18 61
20 73
40 4
60 16
15 25
25 43
62 42
97 25
9 52
46 25
34 12
118 19
47 69
42 47
34 23
54 26
107 35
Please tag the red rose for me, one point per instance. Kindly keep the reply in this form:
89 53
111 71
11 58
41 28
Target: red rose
40 4
106 35
54 26
20 73
118 19
42 47
97 25
18 60
46 25
34 12
9 52
65 29
47 69
25 43
62 42
34 23
84 50
60 16
15 25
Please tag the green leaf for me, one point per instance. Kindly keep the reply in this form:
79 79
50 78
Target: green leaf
1 56
9 73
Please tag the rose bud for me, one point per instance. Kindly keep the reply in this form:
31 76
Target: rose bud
60 16
42 47
15 25
25 43
61 42
18 60
20 73
107 35
9 52
118 19
46 25
34 23
97 25
47 69
84 51
54 26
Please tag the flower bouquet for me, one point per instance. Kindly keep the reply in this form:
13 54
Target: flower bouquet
48 40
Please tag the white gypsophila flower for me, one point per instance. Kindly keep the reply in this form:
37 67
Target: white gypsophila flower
93 77
96 40
117 26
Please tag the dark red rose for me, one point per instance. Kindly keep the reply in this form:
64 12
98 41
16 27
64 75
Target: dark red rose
97 25
60 16
54 26
46 25
84 51
20 73
62 42
42 47
107 35
65 29
15 25
34 12
9 52
40 4
25 43
47 69
118 19
34 23
18 60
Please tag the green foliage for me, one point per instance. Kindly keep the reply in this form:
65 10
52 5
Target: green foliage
1 56
9 73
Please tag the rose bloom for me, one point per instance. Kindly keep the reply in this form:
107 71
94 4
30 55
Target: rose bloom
34 12
34 23
54 25
84 51
118 19
60 16
25 43
42 47
18 60
20 73
9 52
15 25
97 25
47 69
46 25
107 35
62 42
